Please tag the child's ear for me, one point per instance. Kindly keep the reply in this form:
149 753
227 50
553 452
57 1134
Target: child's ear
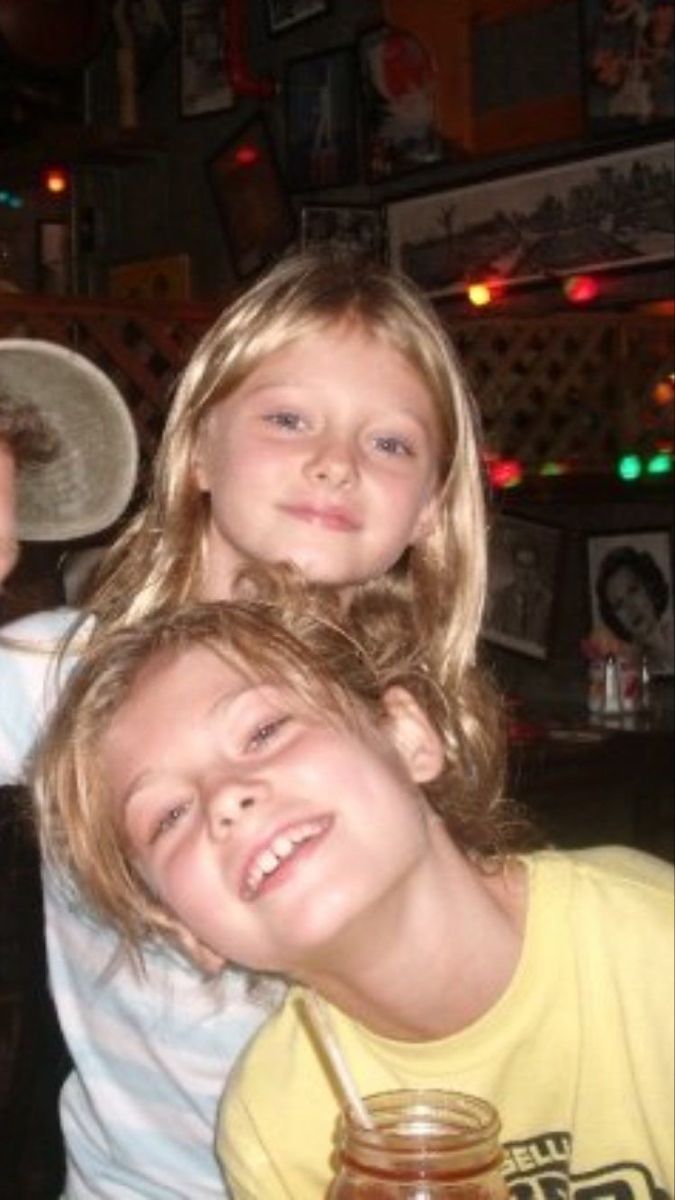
413 735
427 519
200 467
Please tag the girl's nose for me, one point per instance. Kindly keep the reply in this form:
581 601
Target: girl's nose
333 465
228 807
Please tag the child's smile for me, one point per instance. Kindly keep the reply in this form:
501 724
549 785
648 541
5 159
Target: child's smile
263 825
327 456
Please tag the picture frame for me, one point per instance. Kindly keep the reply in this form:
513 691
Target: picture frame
286 14
357 229
152 34
398 79
630 584
628 65
322 120
204 86
597 214
53 258
162 279
524 559
255 211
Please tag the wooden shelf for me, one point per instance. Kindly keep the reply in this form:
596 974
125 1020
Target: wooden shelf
79 145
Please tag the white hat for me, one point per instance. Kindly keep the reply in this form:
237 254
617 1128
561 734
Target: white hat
89 482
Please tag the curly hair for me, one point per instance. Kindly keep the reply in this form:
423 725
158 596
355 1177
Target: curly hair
643 566
25 432
279 630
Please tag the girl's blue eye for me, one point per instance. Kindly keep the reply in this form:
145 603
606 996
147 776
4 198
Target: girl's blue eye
169 820
265 732
284 419
396 446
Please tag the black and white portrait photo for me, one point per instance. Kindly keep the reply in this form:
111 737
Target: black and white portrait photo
522 572
631 591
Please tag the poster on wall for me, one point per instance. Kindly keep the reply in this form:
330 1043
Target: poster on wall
630 581
628 63
597 213
398 81
254 209
523 567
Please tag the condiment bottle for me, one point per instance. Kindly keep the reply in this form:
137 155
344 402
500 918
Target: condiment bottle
424 1145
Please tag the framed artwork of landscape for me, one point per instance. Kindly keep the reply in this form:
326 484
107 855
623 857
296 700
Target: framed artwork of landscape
598 213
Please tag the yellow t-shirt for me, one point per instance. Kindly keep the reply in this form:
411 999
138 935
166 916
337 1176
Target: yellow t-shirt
577 1054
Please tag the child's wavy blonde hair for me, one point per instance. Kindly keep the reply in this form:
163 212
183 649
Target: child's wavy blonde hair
288 632
158 562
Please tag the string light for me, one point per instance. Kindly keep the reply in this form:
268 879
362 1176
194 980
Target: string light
581 289
246 155
505 472
629 467
55 180
483 292
660 463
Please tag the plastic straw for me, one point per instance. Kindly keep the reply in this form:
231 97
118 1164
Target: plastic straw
323 1028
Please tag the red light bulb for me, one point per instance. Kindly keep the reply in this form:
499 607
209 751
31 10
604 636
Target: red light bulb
581 289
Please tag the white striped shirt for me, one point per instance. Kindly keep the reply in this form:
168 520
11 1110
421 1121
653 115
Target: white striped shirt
150 1054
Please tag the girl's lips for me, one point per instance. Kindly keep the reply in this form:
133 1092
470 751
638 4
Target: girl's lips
338 519
269 864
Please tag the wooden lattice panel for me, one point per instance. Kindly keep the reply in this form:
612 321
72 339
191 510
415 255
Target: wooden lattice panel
574 388
566 388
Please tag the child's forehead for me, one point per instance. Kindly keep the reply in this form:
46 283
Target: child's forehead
222 665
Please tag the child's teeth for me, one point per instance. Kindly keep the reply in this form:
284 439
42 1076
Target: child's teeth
268 862
282 847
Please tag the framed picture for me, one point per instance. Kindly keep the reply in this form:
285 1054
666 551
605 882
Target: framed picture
53 258
256 214
599 213
161 279
286 14
357 229
630 579
398 81
523 568
152 35
628 63
204 86
322 134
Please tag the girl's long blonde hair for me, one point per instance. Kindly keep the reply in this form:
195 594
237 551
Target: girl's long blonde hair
158 562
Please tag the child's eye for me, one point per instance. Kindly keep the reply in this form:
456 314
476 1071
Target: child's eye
284 419
396 446
266 732
169 820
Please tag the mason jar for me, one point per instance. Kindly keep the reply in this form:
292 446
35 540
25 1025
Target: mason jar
424 1145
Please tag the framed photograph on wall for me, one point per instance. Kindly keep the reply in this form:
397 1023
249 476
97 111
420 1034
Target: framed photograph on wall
322 114
286 14
630 580
591 214
164 278
204 87
355 228
53 261
152 34
628 64
398 82
255 211
523 568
